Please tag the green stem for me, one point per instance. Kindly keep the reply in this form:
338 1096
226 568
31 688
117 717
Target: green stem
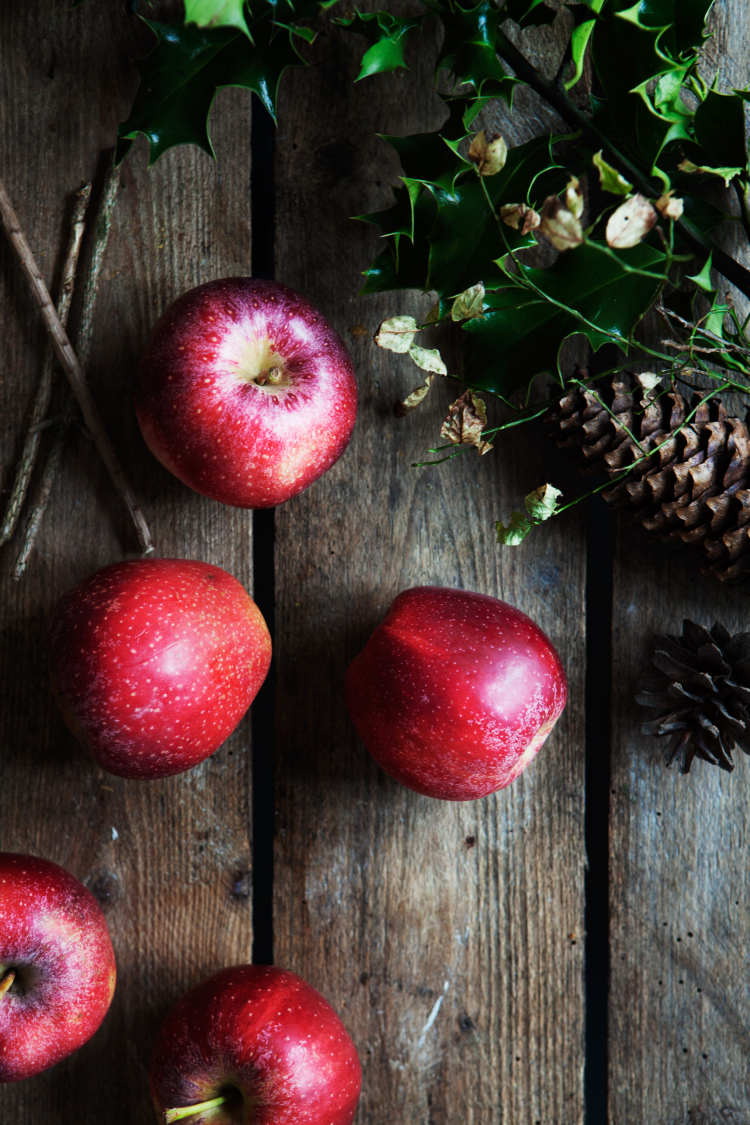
182 1112
623 476
558 99
7 982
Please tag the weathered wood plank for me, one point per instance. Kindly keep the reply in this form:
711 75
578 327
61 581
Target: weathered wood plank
175 880
457 966
679 1036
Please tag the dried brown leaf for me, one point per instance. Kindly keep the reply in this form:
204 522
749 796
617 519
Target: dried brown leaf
464 422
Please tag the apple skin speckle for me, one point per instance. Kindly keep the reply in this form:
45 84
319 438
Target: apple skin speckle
53 935
154 662
206 418
455 692
266 1034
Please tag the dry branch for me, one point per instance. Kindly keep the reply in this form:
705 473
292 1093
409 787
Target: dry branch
44 390
83 347
72 368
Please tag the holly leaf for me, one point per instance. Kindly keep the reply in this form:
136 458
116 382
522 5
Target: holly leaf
579 38
529 13
522 331
719 125
217 13
468 50
386 35
188 65
465 240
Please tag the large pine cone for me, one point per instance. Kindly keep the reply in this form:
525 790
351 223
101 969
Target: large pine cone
693 493
703 694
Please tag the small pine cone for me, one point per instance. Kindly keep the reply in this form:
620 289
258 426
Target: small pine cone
693 491
703 694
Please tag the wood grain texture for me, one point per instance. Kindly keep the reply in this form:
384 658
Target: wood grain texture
456 966
680 867
169 860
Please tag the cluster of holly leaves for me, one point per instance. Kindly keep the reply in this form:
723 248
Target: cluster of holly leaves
218 43
657 124
656 131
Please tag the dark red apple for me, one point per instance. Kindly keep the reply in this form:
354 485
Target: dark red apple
254 1045
455 692
155 661
57 967
245 392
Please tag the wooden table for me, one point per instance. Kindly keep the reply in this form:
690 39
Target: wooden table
458 968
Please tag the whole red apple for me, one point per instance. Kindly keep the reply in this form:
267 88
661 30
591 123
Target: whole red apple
254 1044
455 692
246 392
57 967
155 661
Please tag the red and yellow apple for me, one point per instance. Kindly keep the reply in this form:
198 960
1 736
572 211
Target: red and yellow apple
246 392
254 1044
57 967
455 692
155 661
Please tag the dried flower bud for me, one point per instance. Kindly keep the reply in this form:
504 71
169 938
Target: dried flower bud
520 217
489 152
574 198
560 225
669 207
632 220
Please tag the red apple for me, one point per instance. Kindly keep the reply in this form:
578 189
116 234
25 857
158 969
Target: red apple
254 1045
245 392
155 661
455 692
57 967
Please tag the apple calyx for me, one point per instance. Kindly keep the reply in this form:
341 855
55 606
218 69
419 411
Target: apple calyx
184 1111
273 375
7 982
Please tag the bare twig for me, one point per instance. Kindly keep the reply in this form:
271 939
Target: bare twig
72 368
45 487
44 390
84 335
91 288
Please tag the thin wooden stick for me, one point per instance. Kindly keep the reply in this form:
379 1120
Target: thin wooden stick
72 368
44 390
102 224
84 337
51 466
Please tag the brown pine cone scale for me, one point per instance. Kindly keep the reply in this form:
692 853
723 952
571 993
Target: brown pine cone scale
692 490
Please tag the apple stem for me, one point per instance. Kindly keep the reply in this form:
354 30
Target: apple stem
273 375
7 982
178 1114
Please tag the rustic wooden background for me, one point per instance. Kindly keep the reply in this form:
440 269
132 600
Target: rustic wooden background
458 968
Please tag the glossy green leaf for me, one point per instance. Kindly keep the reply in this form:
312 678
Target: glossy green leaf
579 41
529 13
468 50
386 35
217 13
720 131
465 240
180 78
522 332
